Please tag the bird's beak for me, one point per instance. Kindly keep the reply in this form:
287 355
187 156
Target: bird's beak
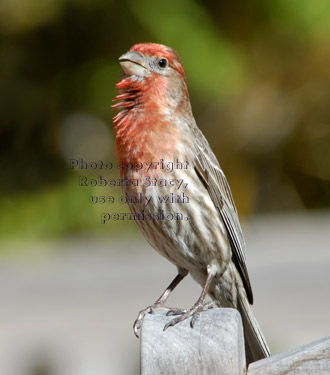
133 64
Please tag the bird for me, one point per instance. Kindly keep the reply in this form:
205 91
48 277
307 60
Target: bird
199 229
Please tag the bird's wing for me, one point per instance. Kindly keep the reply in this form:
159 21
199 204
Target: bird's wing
210 173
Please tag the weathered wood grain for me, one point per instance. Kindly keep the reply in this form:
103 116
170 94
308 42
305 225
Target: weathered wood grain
214 346
310 359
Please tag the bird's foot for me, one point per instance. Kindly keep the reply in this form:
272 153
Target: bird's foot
148 310
192 313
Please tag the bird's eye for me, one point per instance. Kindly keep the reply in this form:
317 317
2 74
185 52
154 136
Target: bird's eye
162 63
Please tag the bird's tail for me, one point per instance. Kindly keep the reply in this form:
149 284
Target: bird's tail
255 344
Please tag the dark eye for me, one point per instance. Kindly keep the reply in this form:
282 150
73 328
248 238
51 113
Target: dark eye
162 63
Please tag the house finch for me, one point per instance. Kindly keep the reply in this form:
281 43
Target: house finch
185 211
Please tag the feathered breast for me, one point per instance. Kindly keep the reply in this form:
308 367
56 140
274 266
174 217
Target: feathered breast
144 130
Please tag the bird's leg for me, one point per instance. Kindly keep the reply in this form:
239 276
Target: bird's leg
196 309
160 301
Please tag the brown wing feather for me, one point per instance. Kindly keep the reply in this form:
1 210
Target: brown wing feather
209 171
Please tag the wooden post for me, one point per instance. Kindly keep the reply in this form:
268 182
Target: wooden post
214 346
309 359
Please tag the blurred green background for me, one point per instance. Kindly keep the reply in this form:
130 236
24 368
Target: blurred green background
259 80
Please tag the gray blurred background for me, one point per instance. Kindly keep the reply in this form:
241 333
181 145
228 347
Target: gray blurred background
259 81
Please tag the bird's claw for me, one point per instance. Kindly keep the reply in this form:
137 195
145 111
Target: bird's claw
148 310
176 311
192 313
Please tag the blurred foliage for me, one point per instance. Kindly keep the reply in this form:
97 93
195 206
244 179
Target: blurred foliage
259 80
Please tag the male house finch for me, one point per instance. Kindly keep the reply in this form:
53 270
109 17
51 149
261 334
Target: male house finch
199 233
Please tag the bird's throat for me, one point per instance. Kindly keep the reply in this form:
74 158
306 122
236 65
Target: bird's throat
144 130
